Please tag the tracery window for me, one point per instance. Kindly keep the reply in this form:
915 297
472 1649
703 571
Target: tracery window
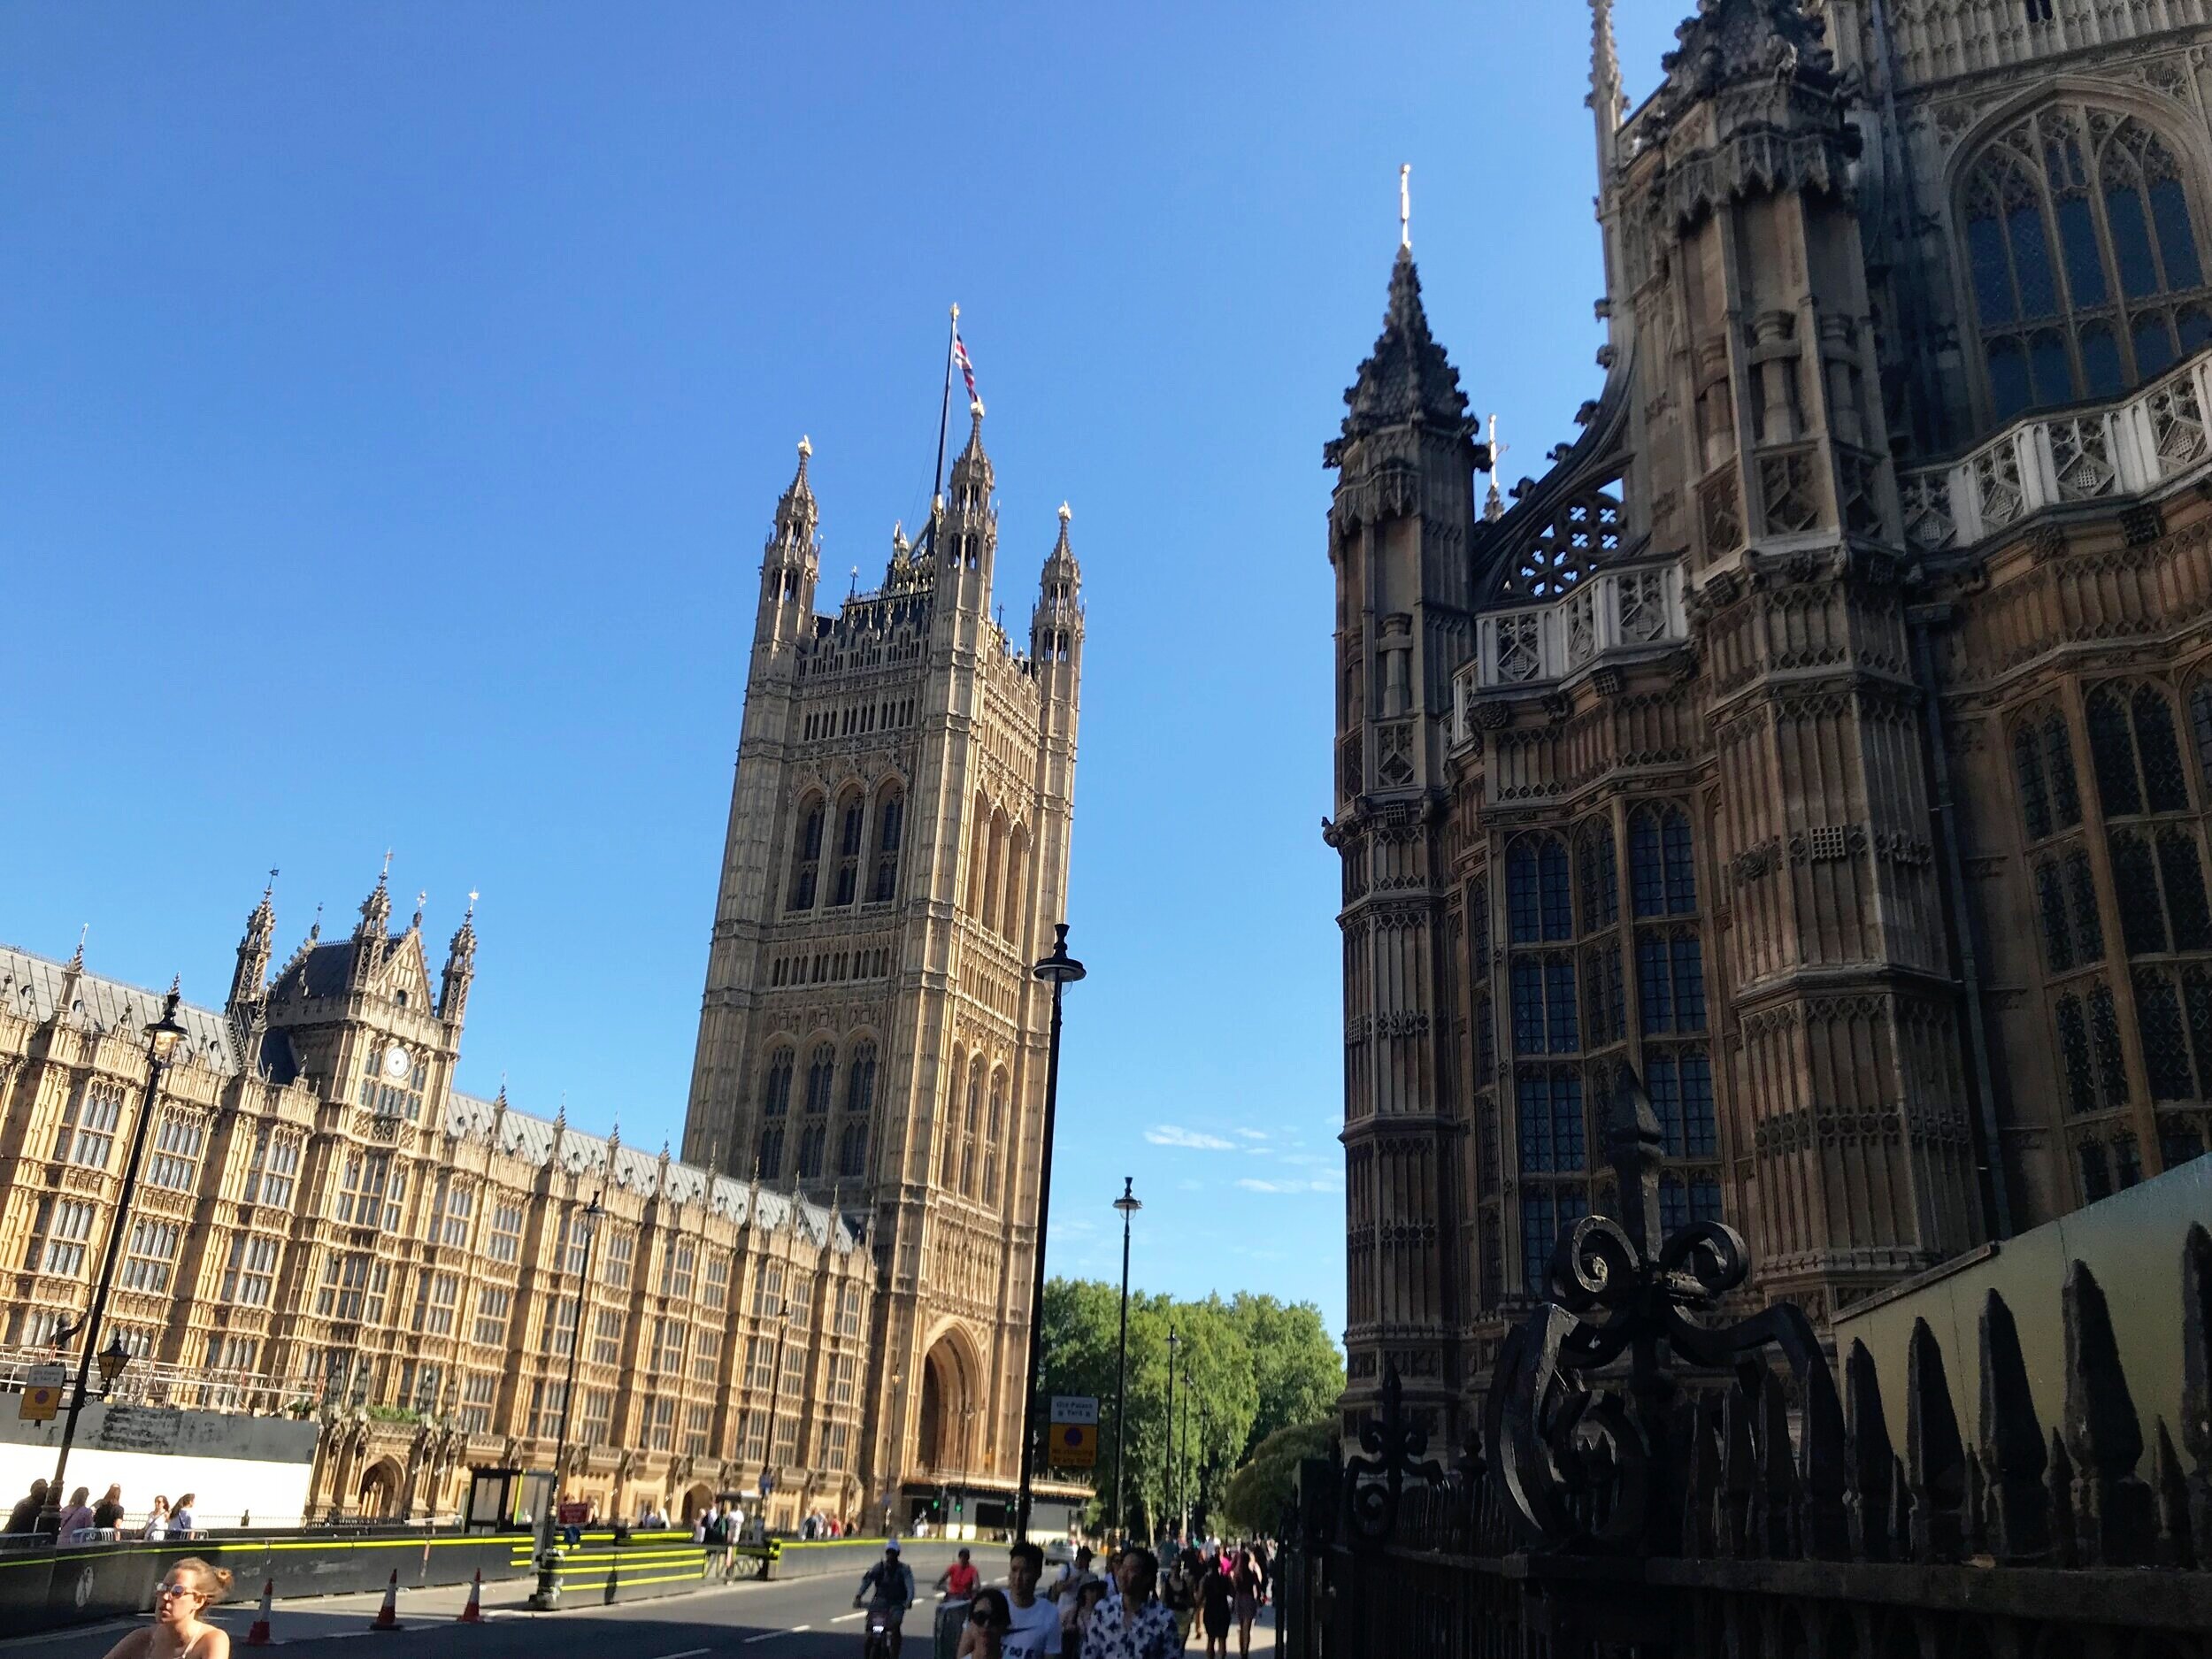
806 857
775 1105
849 827
1680 1085
1670 980
991 1139
2137 756
890 826
1585 534
1549 1105
2082 253
1538 902
1662 871
1598 878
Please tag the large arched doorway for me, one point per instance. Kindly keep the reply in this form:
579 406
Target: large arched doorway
380 1491
947 1406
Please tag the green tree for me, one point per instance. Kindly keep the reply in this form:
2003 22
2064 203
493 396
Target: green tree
1255 1365
1264 1489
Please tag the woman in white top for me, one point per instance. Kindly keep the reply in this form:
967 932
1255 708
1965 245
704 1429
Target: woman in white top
157 1521
181 1629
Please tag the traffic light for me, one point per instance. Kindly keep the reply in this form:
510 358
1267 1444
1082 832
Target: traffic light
960 1505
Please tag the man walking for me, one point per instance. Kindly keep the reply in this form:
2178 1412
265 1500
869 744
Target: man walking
1035 1632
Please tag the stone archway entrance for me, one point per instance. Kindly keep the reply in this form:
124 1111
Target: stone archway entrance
380 1491
949 1408
696 1502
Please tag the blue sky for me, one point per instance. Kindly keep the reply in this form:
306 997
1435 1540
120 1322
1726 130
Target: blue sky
396 397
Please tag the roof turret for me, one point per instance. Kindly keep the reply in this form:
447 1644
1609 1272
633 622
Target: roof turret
1408 378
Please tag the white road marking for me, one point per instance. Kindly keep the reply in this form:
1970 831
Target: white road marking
769 1635
688 1652
846 1618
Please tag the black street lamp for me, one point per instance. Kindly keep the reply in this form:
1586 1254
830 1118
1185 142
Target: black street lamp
1182 1508
784 1321
162 1038
1174 1475
547 1595
1128 1203
1059 970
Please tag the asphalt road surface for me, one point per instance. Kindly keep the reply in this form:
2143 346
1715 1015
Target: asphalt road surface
804 1618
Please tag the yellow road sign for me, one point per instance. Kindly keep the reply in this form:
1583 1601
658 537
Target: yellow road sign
1075 1445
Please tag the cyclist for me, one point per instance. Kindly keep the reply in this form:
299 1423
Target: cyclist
887 1588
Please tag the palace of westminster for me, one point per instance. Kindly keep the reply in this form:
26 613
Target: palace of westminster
831 1289
1826 735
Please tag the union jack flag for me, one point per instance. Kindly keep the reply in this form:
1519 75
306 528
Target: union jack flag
960 355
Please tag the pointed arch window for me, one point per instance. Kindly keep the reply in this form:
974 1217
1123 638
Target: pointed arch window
997 1129
948 1159
1539 901
2104 1032
850 827
852 1150
969 1125
775 1105
806 856
820 1072
1662 870
1598 877
2082 255
2073 1047
890 827
2165 1041
812 1138
860 1080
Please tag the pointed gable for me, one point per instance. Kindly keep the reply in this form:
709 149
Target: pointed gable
1408 379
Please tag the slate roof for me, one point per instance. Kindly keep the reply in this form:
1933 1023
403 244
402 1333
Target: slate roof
35 987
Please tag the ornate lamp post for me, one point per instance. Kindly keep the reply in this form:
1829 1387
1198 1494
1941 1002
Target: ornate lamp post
162 1038
782 1317
547 1595
1174 1475
1059 970
1128 1203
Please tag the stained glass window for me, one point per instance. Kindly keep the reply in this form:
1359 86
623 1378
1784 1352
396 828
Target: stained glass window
2165 1048
2073 1045
2112 752
2050 897
2083 219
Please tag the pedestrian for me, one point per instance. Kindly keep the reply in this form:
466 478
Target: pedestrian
181 1628
183 1519
1215 1599
24 1517
957 1582
157 1521
107 1515
1266 1565
1034 1631
76 1516
984 1635
1181 1594
1244 1580
1134 1623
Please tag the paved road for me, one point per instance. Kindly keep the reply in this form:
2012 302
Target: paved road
806 1619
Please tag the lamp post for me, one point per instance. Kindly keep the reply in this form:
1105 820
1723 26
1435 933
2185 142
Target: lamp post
1128 1203
1183 1508
547 1595
1174 1475
782 1317
162 1038
1059 970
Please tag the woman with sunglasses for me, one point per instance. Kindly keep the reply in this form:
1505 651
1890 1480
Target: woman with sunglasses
180 1631
983 1636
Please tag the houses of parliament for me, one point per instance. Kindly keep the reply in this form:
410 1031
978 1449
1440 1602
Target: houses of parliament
823 1303
1826 733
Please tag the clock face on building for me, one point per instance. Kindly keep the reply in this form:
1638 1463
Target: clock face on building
396 1065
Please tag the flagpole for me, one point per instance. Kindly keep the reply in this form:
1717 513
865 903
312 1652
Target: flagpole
944 413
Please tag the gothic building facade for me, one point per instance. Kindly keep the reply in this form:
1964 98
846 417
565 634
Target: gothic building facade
1827 734
896 859
324 1225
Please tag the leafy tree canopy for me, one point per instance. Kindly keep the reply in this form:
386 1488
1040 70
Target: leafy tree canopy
1255 1366
1261 1491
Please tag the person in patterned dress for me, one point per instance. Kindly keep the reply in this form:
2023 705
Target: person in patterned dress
1136 1624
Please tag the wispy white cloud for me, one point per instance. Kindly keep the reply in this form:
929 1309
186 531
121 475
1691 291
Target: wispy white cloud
1194 1139
1290 1188
1253 1134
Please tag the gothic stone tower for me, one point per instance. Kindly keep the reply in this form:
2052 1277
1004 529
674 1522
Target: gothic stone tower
1827 734
897 855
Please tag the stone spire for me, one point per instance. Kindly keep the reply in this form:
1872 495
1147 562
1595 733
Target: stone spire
259 944
1605 98
1056 627
376 910
972 475
460 968
797 517
1408 379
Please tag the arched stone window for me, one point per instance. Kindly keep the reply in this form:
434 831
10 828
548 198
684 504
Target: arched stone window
1581 536
775 1105
890 828
948 1159
996 1129
993 870
2082 253
970 1126
860 1101
851 814
806 855
978 854
1662 862
1016 872
1538 902
820 1072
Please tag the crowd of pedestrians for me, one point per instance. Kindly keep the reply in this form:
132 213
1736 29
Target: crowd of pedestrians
1122 1606
81 1521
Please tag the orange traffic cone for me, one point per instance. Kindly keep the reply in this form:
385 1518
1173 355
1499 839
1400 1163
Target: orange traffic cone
474 1613
388 1615
258 1636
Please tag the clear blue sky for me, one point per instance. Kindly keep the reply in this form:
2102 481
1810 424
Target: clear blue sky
394 398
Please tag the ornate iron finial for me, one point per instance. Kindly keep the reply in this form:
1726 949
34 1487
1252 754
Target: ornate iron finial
1555 1432
1376 1483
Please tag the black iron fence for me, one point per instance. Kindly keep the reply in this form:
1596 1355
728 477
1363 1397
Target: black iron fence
1650 1481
